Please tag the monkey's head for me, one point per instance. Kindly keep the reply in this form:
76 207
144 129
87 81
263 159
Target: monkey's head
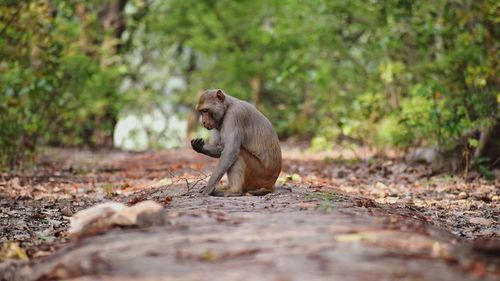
211 106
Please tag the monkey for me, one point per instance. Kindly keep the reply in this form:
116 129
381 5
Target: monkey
245 142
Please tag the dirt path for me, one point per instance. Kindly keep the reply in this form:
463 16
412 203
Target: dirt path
307 230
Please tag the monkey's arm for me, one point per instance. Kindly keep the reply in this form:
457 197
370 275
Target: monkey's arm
229 155
213 148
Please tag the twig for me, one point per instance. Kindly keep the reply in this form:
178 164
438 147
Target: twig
189 186
494 163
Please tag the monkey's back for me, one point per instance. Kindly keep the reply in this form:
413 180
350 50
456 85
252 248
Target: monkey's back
259 136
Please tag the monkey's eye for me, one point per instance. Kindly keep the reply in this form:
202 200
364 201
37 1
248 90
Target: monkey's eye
204 111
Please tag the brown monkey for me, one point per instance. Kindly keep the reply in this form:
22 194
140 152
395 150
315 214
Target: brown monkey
244 140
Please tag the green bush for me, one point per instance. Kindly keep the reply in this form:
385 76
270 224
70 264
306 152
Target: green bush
397 73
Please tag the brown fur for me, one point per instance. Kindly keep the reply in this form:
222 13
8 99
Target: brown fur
244 140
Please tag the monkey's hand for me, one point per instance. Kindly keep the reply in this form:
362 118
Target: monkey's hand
197 145
207 190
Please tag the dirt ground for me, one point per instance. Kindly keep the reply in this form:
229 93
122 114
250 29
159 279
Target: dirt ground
341 216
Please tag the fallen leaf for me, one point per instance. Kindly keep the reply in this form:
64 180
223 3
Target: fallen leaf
11 250
66 211
48 238
357 237
167 200
209 256
305 205
163 182
294 177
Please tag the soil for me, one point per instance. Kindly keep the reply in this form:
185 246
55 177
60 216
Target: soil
339 216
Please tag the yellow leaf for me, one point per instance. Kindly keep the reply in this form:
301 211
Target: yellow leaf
294 177
357 237
209 256
11 250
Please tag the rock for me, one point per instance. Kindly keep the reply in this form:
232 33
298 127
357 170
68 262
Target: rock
398 168
339 174
392 200
481 221
463 195
496 173
14 184
66 211
427 155
105 216
84 218
128 216
55 223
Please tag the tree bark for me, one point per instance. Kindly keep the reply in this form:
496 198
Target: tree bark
256 85
113 24
489 145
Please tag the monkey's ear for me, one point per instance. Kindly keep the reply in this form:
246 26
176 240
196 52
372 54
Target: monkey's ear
220 95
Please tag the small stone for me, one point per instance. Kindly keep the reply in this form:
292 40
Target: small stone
66 211
495 198
463 195
392 200
340 174
496 173
55 223
481 221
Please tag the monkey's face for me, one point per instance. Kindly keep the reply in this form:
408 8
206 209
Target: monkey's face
211 107
207 119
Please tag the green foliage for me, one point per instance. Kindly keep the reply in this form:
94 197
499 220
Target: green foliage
326 200
482 167
391 73
334 69
54 88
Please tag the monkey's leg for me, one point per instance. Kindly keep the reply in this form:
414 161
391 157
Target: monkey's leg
223 191
235 178
220 191
258 180
260 191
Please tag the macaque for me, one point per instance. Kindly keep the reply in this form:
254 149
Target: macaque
244 140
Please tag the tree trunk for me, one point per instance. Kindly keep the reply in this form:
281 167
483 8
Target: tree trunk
489 145
192 123
113 24
84 40
256 85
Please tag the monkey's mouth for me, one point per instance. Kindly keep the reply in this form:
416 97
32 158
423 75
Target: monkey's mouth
208 127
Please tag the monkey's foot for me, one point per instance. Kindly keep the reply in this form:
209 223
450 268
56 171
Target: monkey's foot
261 191
225 192
207 191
